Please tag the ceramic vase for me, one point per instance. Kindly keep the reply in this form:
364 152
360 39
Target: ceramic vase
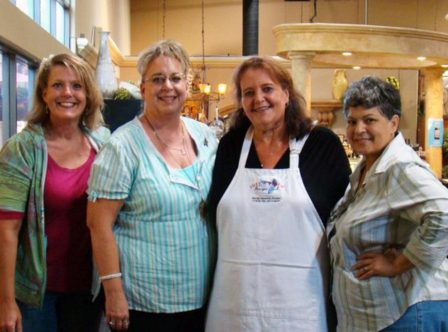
105 71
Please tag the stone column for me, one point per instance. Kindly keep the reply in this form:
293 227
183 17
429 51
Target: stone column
301 74
433 88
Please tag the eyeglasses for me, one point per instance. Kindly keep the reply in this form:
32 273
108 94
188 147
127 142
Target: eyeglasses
161 79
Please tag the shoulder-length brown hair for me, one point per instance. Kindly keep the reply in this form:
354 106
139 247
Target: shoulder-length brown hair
297 122
92 117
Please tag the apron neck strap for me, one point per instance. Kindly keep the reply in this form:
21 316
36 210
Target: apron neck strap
246 147
295 147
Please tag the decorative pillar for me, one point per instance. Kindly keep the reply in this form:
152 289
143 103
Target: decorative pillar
301 74
433 87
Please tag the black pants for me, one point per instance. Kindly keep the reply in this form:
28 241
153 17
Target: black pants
188 321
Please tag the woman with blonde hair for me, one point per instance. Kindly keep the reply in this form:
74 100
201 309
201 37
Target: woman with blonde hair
46 265
147 193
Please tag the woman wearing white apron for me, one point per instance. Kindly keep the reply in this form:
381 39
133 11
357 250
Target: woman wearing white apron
274 183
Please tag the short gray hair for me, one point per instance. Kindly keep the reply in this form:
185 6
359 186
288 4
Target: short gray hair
372 92
169 48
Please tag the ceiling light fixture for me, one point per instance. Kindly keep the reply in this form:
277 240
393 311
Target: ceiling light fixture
347 53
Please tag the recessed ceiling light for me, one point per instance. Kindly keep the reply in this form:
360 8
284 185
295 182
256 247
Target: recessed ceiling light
347 53
356 67
421 58
444 66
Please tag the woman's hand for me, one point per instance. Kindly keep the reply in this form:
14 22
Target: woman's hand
388 264
117 311
10 317
101 216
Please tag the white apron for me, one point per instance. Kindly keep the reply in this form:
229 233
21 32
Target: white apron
271 273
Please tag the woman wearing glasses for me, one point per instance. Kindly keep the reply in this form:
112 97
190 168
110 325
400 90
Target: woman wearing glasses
147 190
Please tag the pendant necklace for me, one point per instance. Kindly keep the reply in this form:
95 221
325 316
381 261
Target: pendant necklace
184 151
181 150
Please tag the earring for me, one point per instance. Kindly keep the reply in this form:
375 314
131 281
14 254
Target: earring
46 109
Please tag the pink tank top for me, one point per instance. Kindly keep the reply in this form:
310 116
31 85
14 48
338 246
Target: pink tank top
69 253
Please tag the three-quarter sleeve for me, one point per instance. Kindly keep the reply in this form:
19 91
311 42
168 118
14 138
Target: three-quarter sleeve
423 200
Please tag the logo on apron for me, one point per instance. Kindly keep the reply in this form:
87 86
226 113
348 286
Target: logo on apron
266 190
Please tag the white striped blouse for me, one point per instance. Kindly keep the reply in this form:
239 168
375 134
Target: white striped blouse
401 205
165 247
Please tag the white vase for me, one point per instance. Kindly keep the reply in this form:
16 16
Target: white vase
105 71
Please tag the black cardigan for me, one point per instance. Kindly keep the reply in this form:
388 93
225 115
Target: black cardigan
323 165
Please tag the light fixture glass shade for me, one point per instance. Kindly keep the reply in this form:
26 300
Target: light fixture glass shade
222 87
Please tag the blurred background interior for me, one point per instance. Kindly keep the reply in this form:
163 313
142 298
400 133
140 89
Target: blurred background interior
326 44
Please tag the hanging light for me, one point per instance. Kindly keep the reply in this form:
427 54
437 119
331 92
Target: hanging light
207 93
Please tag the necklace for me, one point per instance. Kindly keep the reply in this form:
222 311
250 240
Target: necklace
181 150
202 208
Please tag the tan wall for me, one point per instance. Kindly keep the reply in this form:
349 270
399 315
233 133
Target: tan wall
109 15
223 20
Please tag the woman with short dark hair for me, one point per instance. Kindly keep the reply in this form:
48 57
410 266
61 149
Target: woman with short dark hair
388 235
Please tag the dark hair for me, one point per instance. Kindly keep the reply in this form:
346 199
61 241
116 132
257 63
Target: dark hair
297 122
371 92
92 117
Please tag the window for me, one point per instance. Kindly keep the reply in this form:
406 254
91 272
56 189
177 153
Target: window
16 87
24 88
52 15
26 6
45 21
1 99
60 23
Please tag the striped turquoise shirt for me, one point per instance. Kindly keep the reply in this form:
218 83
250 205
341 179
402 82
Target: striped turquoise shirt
165 246
401 205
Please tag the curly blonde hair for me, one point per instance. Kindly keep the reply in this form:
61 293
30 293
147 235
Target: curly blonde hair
92 117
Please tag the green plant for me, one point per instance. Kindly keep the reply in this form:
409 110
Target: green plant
122 94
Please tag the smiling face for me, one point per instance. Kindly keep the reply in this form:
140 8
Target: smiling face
64 95
369 131
263 99
164 86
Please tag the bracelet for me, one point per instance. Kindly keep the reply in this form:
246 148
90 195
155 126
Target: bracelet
111 276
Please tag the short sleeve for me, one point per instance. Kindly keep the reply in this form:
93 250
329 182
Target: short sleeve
111 175
16 173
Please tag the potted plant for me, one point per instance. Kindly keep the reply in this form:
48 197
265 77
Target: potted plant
124 105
